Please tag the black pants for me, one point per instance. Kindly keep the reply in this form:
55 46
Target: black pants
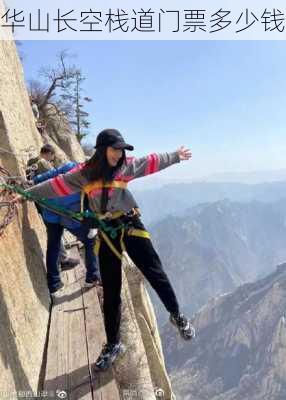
144 256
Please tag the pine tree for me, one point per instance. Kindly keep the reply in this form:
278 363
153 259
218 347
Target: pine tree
80 116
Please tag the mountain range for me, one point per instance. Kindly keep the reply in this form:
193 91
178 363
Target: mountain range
176 199
216 247
239 352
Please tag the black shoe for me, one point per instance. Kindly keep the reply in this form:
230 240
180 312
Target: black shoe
109 353
89 283
57 288
69 263
184 326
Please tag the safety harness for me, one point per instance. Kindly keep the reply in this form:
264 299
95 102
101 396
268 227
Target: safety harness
121 221
125 221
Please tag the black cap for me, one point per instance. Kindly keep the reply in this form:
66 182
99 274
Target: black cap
113 138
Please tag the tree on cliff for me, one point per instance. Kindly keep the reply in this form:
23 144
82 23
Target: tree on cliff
73 105
61 94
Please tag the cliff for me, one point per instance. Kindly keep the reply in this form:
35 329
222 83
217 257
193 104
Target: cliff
24 300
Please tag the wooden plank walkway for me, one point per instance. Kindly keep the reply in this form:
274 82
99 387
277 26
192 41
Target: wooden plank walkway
76 335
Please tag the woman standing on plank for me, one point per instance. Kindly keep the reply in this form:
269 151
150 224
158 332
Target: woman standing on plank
104 179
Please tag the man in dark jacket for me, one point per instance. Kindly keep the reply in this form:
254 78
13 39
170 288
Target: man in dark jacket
56 224
39 165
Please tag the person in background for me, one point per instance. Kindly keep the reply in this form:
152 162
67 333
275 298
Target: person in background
42 163
35 167
56 224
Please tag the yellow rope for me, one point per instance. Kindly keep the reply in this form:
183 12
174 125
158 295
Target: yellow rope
138 233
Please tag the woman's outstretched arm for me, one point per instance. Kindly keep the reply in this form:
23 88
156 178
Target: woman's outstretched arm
139 167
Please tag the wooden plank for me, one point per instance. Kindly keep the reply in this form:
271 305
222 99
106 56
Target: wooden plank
77 359
56 379
67 361
103 383
75 341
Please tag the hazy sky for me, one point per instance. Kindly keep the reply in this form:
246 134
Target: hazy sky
226 100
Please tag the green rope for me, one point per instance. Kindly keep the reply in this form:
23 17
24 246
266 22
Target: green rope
75 216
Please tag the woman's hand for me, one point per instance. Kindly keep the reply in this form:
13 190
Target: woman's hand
184 153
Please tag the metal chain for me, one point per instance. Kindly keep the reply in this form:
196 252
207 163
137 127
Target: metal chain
6 196
9 215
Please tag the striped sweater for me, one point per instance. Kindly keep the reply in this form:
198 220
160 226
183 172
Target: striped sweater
119 197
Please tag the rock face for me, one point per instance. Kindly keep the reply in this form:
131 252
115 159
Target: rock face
240 349
24 305
24 298
58 133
